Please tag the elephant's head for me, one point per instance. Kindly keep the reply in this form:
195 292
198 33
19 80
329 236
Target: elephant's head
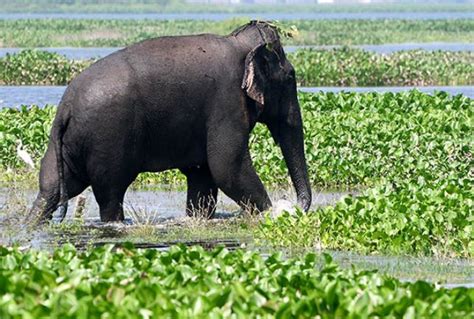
270 84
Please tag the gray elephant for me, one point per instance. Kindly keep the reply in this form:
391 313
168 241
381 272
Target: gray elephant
186 102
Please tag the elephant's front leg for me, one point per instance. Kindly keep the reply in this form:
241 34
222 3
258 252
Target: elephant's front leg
202 192
232 169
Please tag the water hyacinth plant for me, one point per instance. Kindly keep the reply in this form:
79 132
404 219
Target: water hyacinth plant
351 139
34 67
194 283
416 152
334 67
430 219
409 154
118 33
356 67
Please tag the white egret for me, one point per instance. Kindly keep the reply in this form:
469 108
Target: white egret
23 155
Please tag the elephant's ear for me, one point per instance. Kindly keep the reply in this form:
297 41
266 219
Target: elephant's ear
254 76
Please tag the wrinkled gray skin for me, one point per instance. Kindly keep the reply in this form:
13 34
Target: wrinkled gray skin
185 102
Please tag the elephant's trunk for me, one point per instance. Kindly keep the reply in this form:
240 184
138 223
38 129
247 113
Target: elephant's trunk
290 138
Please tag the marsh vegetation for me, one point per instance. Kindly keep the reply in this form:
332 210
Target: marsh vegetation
392 177
315 67
411 151
113 33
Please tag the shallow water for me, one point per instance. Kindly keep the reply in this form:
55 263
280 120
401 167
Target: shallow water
450 273
97 52
165 208
70 53
14 96
156 210
164 204
227 16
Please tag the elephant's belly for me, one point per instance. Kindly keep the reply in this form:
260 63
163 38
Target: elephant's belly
174 153
174 133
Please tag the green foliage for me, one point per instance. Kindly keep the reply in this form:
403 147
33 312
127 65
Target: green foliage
414 149
356 139
351 32
38 67
31 126
355 67
424 218
351 139
194 283
336 67
87 33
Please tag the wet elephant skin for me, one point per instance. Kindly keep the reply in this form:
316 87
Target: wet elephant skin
185 102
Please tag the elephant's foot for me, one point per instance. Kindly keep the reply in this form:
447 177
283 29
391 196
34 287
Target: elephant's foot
113 212
202 192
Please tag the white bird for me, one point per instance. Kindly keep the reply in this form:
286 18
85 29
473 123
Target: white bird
23 154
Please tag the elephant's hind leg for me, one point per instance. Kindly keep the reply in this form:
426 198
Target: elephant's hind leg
110 200
109 190
202 192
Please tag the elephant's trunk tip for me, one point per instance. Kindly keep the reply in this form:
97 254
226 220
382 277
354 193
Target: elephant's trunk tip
304 201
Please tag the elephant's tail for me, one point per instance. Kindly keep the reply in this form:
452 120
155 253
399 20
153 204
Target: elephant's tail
59 128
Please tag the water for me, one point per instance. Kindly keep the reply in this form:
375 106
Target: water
163 204
14 96
226 16
70 53
164 209
95 52
451 273
153 218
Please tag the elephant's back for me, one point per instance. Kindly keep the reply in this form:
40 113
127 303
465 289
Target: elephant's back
146 93
106 83
157 70
175 59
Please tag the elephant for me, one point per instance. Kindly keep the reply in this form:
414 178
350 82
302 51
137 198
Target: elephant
175 102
